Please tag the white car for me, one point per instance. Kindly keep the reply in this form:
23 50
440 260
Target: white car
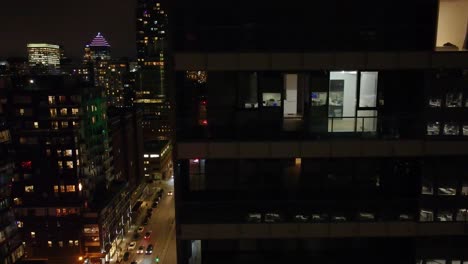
140 229
132 245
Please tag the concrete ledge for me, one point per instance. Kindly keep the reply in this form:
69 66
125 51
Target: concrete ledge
321 230
290 149
320 149
320 61
254 150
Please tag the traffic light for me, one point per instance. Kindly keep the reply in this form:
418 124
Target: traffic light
156 259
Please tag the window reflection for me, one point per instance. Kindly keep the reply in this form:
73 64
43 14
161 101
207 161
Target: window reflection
405 217
465 130
338 218
464 190
319 217
254 218
426 216
462 215
433 128
436 261
272 218
451 129
453 100
444 216
366 216
446 191
301 218
426 188
435 102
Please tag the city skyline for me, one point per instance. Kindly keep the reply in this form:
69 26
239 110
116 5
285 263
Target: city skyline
206 132
71 24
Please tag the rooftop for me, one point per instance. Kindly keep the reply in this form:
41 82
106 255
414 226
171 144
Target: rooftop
99 41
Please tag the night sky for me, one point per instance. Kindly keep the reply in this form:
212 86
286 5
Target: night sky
72 23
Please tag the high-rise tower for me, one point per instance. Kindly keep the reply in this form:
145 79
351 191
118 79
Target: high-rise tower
97 49
328 134
151 93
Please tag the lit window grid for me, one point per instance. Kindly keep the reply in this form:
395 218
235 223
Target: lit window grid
45 56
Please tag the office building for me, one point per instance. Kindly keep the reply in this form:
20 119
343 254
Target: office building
120 83
157 160
151 93
43 57
67 199
330 134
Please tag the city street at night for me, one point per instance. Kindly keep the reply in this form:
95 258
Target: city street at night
161 225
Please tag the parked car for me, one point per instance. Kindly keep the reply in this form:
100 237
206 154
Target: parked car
126 256
155 204
132 245
140 229
145 221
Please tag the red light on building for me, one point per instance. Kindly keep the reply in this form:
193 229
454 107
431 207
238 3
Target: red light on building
203 102
204 122
26 164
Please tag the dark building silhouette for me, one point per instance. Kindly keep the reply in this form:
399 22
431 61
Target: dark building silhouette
322 133
127 145
11 244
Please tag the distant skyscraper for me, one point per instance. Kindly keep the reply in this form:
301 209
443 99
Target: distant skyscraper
96 60
44 55
97 49
151 92
151 32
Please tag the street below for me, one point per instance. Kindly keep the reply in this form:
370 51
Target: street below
161 225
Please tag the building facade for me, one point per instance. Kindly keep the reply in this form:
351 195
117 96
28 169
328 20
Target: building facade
63 171
327 143
157 160
44 57
151 92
